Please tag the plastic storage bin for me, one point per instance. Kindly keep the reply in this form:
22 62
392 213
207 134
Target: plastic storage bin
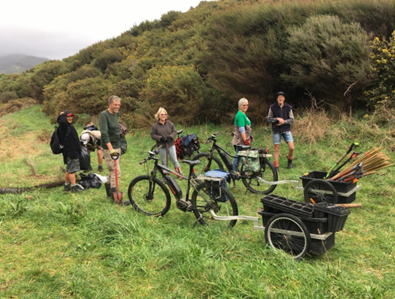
341 187
336 215
277 204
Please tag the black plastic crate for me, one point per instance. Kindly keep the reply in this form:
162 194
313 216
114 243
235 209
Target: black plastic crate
319 247
339 186
336 215
317 226
278 204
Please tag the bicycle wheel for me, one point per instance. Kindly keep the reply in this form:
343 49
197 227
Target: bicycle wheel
204 166
150 197
320 191
287 232
252 182
216 199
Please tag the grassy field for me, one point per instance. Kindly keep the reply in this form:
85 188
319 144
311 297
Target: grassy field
56 245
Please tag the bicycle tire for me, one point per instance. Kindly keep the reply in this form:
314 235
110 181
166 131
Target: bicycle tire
287 232
145 198
213 199
320 191
203 167
267 172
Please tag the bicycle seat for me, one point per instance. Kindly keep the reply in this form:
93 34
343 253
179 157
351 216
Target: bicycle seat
244 147
189 162
179 131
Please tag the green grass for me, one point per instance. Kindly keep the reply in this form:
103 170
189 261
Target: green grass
56 245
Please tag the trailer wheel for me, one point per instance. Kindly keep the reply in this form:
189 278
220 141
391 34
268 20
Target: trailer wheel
320 191
287 232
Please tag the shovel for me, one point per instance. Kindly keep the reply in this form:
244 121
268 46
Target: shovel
117 195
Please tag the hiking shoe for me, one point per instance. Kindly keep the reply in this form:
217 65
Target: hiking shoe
125 202
290 166
77 188
66 188
100 168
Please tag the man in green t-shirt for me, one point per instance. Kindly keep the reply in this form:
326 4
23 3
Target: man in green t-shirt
111 142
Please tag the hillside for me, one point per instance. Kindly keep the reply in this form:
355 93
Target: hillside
13 64
336 55
56 245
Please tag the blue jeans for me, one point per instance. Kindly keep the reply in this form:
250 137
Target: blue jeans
235 160
172 156
286 135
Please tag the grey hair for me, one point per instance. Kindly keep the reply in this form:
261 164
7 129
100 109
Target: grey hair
113 98
242 101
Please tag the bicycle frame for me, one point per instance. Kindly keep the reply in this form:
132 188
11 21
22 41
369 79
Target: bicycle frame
171 182
223 154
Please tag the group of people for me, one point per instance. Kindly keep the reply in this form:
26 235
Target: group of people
280 116
107 140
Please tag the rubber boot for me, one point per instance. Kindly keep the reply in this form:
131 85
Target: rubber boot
108 191
275 163
290 166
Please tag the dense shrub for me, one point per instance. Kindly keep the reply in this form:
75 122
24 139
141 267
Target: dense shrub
382 90
327 56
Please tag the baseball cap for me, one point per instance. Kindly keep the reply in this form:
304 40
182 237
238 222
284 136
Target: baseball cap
68 113
85 138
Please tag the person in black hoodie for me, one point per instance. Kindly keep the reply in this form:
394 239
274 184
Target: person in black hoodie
71 151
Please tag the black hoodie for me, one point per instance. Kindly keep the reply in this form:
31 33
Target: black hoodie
72 145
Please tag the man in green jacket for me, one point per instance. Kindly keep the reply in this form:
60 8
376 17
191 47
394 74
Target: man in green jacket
111 142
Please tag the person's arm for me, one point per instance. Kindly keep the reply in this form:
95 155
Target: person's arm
154 133
241 123
270 117
291 118
105 137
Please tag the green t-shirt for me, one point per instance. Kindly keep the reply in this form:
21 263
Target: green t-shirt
241 120
109 128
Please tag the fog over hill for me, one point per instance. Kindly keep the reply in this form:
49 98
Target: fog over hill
17 63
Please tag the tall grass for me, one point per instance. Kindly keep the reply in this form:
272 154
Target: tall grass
56 245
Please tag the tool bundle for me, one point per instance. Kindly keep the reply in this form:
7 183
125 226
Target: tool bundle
367 164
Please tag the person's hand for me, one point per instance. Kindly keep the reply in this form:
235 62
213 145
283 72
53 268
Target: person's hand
113 152
247 142
163 139
280 121
168 139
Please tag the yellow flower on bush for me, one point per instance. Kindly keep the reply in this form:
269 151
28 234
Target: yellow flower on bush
366 116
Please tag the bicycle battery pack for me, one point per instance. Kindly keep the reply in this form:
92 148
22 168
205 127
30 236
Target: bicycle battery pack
226 159
174 186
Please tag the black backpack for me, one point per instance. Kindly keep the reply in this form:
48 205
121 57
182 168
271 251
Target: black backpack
56 147
190 143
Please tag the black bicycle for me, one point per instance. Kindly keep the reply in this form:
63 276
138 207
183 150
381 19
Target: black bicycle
149 194
257 181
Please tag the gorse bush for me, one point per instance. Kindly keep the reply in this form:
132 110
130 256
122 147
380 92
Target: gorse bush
382 90
327 56
198 64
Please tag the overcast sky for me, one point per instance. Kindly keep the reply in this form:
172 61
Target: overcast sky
57 29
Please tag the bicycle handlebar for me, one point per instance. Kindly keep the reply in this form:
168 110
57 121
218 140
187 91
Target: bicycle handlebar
212 137
151 155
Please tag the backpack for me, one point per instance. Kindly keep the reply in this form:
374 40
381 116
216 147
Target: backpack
56 147
190 143
178 145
